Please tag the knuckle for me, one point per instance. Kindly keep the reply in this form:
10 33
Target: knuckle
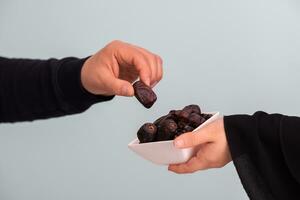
154 59
140 57
115 42
111 47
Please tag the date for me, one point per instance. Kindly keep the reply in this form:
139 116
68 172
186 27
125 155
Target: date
144 94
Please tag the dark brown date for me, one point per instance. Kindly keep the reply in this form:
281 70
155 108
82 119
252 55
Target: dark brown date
183 116
144 94
147 133
182 124
188 128
179 132
159 120
206 116
166 130
192 109
195 120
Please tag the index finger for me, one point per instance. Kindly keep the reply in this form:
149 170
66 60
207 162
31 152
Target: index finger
194 164
128 55
156 64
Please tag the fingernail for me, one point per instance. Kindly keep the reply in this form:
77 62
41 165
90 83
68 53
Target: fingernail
124 90
179 143
154 84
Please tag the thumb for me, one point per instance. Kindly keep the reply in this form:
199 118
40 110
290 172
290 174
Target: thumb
122 88
191 139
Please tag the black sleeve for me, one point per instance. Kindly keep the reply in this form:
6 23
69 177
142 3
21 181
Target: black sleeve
265 149
38 89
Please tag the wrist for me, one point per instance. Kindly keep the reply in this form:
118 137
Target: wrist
71 87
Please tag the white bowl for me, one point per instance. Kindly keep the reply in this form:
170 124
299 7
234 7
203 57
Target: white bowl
164 152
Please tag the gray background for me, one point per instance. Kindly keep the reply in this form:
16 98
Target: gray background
234 56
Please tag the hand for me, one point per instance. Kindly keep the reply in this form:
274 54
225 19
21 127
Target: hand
112 70
213 148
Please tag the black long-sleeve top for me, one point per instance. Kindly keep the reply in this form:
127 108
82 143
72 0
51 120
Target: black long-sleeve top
266 153
38 89
265 147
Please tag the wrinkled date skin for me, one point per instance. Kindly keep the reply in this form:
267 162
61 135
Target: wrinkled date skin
147 133
167 130
144 94
192 109
175 123
195 120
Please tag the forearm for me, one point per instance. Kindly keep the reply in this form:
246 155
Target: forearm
39 89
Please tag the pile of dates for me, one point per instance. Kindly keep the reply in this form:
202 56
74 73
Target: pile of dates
170 126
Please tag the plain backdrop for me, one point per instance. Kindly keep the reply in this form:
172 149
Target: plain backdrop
233 56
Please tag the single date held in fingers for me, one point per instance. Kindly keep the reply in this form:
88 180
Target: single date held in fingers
144 94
